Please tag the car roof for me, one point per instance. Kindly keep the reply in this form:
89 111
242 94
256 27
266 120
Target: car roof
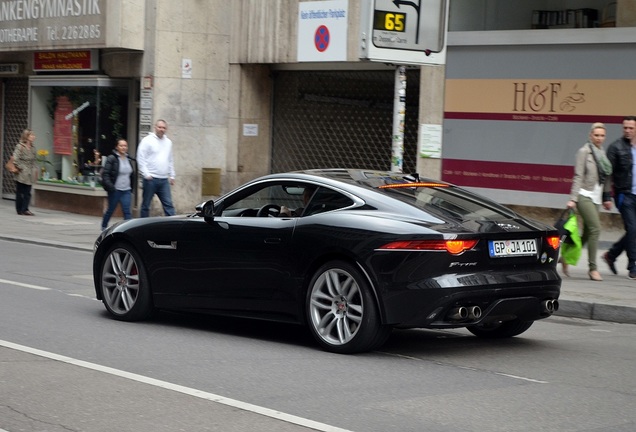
365 184
341 177
360 183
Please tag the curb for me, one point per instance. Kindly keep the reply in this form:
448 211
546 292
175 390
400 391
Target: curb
596 311
50 243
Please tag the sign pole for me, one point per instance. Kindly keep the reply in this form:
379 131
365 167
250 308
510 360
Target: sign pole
403 32
399 113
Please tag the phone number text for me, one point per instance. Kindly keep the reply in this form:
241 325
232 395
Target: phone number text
73 32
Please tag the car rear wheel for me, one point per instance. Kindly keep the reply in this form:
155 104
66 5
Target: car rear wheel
500 329
342 312
124 285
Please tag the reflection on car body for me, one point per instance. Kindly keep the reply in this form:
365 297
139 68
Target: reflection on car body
361 253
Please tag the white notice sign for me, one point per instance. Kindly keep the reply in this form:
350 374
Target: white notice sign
250 130
431 141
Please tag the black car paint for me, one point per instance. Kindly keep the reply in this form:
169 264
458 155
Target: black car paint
259 267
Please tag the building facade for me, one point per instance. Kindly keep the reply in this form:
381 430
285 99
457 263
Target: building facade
83 73
246 92
524 82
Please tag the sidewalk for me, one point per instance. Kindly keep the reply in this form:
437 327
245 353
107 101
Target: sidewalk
613 299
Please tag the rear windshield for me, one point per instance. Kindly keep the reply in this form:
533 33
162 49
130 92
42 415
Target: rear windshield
439 198
451 201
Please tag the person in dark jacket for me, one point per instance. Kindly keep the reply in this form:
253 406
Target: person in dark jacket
118 179
619 154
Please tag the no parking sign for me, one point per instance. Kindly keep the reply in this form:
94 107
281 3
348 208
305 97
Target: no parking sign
322 31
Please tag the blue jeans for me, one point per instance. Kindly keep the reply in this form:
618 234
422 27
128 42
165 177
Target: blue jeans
628 241
117 197
160 187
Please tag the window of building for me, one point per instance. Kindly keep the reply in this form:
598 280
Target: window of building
77 120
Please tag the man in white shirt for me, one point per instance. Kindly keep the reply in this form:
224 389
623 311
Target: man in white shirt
156 166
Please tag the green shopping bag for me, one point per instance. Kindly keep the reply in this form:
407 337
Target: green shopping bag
572 246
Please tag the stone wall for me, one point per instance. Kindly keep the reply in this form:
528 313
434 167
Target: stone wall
196 107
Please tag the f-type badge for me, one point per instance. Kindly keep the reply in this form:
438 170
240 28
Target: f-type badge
507 226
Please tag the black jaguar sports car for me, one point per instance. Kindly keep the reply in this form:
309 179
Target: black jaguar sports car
350 253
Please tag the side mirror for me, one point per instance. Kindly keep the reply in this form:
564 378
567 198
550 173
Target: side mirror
206 210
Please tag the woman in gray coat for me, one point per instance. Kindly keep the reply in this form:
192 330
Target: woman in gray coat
590 188
25 160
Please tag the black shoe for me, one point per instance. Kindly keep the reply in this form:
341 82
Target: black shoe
610 264
631 276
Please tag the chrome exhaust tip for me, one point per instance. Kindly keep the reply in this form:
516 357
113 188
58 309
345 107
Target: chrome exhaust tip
549 306
474 312
458 313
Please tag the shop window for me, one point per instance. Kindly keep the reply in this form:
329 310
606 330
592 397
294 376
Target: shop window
77 123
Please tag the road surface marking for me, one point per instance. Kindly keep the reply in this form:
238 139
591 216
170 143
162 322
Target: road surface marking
24 285
178 388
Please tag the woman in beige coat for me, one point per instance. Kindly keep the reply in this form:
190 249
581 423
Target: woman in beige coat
25 160
590 188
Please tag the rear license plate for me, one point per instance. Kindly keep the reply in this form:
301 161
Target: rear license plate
508 248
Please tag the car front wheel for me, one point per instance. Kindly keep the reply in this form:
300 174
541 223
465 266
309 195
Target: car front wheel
124 285
500 329
342 312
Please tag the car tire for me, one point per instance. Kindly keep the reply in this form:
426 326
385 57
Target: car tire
500 330
124 284
342 313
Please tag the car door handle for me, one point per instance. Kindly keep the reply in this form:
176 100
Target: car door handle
273 240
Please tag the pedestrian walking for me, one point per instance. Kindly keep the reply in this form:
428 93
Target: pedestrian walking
118 179
25 159
156 166
620 155
591 188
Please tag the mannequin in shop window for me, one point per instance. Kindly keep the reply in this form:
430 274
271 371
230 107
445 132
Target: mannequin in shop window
93 166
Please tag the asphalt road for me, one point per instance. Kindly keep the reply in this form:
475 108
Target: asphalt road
66 365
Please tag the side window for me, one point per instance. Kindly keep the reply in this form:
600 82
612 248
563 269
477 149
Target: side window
266 201
325 200
248 205
287 199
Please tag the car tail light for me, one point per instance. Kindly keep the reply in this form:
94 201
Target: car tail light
554 241
454 247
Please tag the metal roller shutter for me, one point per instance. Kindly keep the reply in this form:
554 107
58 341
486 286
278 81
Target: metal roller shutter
340 119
